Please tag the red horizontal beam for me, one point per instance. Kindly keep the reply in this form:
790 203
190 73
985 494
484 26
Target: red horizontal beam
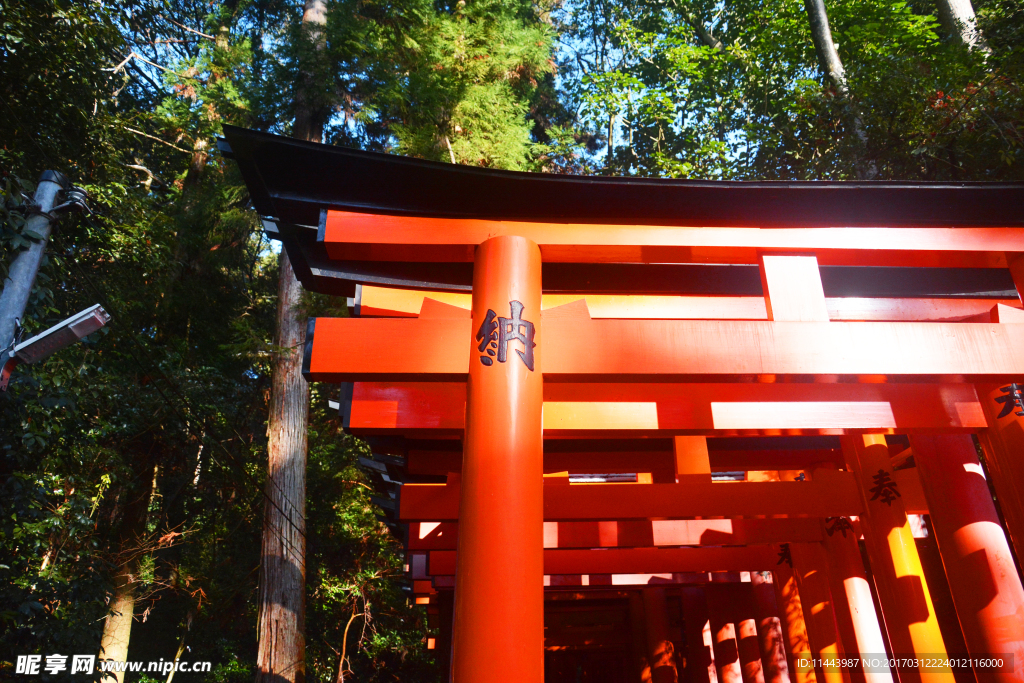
573 409
636 560
660 463
573 348
385 301
369 237
640 533
830 494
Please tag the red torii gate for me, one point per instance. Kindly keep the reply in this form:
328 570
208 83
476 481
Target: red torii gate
515 374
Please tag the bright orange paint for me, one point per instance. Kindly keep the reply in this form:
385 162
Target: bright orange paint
655 409
902 591
370 237
792 288
408 303
575 349
499 589
632 560
826 496
794 622
662 532
811 571
858 623
986 589
1003 442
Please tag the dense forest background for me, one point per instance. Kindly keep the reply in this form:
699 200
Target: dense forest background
136 461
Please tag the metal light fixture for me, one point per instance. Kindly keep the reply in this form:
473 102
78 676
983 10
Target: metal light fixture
44 344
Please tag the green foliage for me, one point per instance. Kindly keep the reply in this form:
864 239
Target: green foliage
174 391
757 107
466 89
126 97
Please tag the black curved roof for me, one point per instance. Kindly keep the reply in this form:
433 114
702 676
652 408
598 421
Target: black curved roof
291 181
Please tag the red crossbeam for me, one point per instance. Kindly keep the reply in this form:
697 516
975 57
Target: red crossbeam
583 350
830 494
574 409
369 237
636 560
640 533
660 463
405 303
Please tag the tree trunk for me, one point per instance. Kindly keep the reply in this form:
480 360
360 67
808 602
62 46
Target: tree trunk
117 628
611 140
832 65
282 644
957 17
310 114
703 33
281 656
118 625
825 47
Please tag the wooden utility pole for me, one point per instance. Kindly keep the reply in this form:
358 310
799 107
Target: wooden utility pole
281 656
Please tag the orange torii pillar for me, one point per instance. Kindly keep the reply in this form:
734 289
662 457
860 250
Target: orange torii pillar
746 632
499 580
723 633
854 607
769 631
661 653
791 611
700 653
902 591
1003 442
811 569
986 589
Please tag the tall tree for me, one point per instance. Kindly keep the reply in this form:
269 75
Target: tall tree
132 546
282 617
832 66
958 19
282 647
467 84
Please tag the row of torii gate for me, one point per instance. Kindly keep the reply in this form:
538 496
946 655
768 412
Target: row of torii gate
608 479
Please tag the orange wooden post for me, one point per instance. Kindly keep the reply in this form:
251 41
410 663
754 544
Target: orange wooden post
811 570
745 609
700 654
855 609
792 287
660 650
986 589
638 638
446 604
791 611
902 591
769 630
692 461
499 585
1003 442
723 631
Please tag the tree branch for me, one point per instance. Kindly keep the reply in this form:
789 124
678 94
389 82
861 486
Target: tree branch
162 142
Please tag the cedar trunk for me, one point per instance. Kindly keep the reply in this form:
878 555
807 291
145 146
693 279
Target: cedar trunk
117 627
282 647
281 657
